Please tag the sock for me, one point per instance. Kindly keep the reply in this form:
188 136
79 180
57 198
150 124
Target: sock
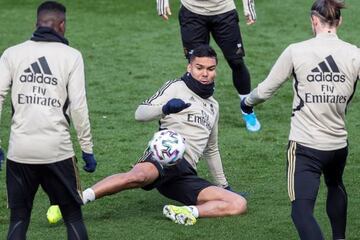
241 96
194 211
88 195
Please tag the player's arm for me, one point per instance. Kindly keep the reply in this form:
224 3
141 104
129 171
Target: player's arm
279 73
163 102
213 159
249 11
5 83
358 64
163 9
78 105
5 78
80 114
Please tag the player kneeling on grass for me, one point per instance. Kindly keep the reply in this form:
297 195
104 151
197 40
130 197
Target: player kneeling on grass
185 105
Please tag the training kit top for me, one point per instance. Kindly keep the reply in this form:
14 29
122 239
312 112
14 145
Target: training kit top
209 7
47 87
325 71
216 7
198 124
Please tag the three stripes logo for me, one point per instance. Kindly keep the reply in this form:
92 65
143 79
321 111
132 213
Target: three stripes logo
326 71
39 72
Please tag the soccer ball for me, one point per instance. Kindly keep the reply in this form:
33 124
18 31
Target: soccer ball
167 147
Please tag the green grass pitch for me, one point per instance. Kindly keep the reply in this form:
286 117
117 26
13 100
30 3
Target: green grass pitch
129 52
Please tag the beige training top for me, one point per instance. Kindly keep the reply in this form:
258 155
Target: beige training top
325 71
198 124
208 7
47 87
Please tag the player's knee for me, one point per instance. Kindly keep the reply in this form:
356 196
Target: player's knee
138 177
302 211
236 63
71 212
333 182
237 206
19 222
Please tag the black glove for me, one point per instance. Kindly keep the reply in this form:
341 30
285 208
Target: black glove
243 194
245 108
1 157
174 105
90 162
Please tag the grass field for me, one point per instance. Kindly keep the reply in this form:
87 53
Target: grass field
129 52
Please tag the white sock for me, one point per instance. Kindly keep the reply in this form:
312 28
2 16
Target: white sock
243 96
88 195
194 211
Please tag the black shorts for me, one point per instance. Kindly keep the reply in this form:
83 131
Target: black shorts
305 166
178 182
59 180
195 30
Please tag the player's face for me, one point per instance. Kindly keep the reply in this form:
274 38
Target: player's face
203 69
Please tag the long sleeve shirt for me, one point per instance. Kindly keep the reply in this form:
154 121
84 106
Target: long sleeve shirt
198 124
47 89
325 70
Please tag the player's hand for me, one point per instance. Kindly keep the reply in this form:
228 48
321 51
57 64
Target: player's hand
163 9
2 158
249 11
90 162
243 194
245 108
174 105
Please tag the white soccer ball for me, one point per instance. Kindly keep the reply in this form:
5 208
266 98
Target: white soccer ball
167 147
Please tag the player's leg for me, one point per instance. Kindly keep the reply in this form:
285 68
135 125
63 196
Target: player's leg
61 182
73 220
303 184
336 204
22 184
212 201
140 175
200 197
226 32
145 173
218 202
194 30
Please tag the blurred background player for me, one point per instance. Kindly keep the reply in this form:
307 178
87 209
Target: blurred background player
185 105
325 71
220 18
46 79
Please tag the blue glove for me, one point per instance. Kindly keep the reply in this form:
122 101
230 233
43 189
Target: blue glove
245 108
90 162
174 105
1 157
243 194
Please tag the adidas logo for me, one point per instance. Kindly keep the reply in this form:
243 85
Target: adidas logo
39 72
327 71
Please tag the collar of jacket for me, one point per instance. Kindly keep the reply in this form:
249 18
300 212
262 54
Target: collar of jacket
46 34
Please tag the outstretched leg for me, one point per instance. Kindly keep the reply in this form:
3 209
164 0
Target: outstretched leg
140 175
